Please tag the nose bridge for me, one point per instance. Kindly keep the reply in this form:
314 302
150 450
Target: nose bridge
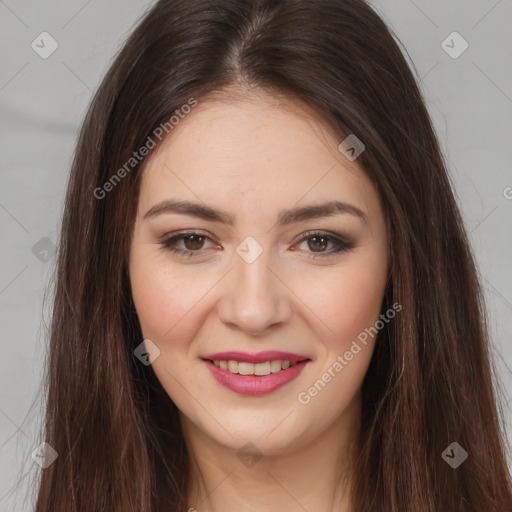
254 299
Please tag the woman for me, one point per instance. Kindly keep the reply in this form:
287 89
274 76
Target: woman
265 294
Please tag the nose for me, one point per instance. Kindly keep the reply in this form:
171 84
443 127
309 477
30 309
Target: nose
254 299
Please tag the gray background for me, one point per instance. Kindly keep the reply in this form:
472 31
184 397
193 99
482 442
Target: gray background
42 102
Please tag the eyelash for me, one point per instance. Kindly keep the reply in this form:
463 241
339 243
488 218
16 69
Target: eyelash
340 245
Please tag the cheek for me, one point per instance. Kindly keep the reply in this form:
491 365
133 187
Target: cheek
349 305
165 300
347 301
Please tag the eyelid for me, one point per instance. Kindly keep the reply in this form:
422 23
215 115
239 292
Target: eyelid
320 233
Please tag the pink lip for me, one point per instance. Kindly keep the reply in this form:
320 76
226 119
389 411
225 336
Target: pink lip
260 357
253 385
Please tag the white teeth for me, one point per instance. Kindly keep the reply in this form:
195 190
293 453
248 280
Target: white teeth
260 369
275 366
245 368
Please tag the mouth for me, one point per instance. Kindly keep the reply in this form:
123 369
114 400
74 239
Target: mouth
258 378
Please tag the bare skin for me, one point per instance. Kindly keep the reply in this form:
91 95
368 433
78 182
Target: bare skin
253 159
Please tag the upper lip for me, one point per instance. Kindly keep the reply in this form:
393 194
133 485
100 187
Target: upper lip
260 357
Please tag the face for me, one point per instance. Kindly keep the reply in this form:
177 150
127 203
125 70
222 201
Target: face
254 269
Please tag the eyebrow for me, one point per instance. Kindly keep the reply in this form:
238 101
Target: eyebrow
284 218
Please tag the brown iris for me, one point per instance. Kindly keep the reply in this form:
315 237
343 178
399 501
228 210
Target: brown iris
315 245
194 242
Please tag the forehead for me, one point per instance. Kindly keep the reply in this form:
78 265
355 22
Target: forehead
258 150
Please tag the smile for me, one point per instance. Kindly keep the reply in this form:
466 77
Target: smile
254 379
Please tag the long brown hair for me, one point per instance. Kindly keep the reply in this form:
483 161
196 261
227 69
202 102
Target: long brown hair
430 381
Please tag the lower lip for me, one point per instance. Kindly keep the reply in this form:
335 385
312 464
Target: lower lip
252 385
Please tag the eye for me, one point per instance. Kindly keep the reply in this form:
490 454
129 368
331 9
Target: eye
193 242
317 242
